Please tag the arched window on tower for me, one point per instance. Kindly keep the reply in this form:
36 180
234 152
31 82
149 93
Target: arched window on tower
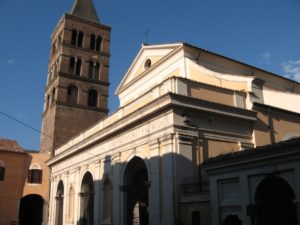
53 96
72 95
95 42
2 170
78 67
92 41
94 69
74 37
80 38
92 98
98 43
77 38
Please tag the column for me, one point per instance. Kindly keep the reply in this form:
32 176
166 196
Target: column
167 180
116 198
154 191
77 187
97 188
66 197
52 200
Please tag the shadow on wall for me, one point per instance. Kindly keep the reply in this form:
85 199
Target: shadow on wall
135 182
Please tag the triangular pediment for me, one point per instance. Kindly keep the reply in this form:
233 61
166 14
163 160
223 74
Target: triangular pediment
147 58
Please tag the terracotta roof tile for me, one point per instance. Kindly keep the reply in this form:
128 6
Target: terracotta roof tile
10 145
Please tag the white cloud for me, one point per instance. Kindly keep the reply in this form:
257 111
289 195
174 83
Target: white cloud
265 57
292 69
10 61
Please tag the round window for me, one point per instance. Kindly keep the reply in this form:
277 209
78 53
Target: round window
147 64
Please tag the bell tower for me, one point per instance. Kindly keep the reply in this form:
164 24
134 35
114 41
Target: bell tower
76 93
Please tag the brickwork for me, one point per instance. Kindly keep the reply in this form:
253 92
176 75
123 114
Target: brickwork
63 119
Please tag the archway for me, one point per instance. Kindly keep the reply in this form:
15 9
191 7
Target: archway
31 210
275 202
136 192
59 203
87 200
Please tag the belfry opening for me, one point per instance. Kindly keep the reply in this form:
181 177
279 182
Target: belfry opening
136 196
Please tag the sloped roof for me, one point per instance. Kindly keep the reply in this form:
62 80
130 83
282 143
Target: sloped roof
85 9
279 146
10 145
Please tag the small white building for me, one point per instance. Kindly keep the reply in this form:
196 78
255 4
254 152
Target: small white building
257 186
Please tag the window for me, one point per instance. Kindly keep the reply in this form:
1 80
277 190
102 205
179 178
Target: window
72 65
53 96
94 69
34 174
78 67
147 64
98 43
72 95
92 42
75 66
92 98
95 42
74 37
2 170
77 38
80 38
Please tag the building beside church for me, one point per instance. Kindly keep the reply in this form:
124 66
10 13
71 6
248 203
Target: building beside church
179 105
23 185
256 186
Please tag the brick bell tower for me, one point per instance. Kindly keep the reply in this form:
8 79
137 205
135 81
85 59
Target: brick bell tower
76 94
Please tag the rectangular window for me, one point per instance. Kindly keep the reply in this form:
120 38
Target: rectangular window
78 67
74 37
34 176
2 173
80 38
91 70
72 65
97 69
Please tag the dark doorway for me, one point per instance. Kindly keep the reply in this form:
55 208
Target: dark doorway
31 210
59 203
275 202
136 192
87 200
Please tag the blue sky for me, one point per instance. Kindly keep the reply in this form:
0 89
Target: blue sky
263 33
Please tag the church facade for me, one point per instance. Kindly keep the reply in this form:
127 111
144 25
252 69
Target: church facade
179 105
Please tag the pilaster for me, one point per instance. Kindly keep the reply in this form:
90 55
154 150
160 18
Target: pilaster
167 180
154 190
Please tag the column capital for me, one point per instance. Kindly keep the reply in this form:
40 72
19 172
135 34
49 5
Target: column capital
167 139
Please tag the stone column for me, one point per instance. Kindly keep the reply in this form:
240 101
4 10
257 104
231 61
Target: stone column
52 200
77 187
116 180
167 180
97 188
66 197
154 190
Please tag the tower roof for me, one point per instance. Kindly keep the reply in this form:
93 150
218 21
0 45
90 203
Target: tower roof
85 9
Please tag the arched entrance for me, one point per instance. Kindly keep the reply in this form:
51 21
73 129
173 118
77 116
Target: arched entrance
136 192
87 200
31 210
275 202
59 204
